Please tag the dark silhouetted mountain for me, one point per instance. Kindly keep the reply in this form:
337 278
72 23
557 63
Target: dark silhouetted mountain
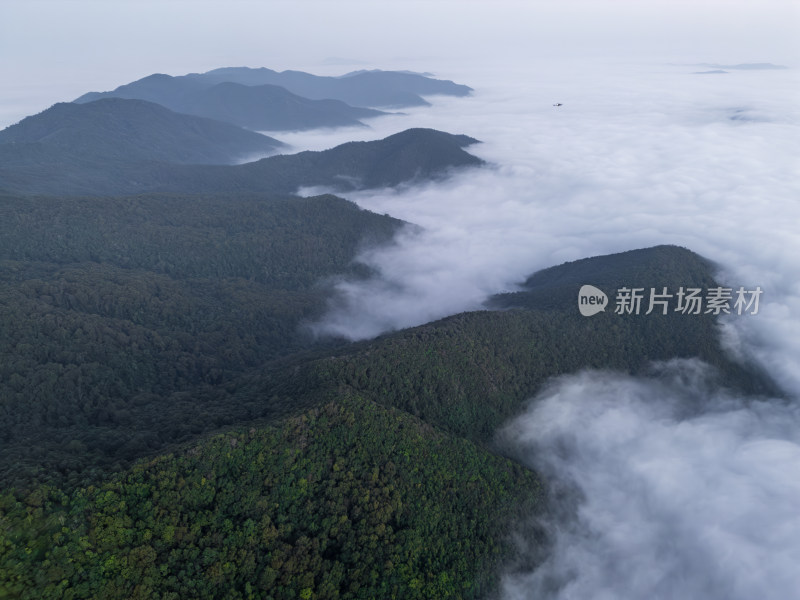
359 88
412 155
115 129
257 106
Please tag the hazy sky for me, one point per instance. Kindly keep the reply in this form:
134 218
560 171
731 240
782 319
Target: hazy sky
55 50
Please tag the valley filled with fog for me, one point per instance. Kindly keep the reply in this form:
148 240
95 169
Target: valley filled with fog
667 502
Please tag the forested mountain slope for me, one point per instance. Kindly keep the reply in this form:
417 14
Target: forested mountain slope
363 470
348 500
109 306
470 372
411 155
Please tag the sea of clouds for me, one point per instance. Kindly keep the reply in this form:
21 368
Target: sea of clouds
666 486
650 500
638 155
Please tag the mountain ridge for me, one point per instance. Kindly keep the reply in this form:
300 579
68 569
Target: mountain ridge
391 89
133 130
256 107
411 155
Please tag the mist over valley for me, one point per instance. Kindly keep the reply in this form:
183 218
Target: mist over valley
295 330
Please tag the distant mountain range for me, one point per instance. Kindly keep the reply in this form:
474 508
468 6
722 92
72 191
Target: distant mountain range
114 129
359 88
266 100
415 154
151 136
254 106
